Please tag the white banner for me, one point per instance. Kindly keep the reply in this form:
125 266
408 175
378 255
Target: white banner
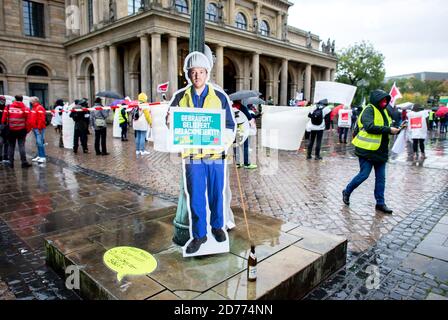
160 131
283 127
334 92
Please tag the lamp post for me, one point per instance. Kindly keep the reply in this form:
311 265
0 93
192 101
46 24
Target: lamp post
197 43
197 26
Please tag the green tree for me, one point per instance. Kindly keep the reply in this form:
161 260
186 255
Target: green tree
362 66
417 91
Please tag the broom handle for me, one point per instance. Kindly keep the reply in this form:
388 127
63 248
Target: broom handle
242 201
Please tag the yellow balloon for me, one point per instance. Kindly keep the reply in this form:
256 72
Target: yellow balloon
129 261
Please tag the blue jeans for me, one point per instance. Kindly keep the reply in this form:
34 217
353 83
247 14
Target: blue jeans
140 137
236 150
40 137
202 176
380 178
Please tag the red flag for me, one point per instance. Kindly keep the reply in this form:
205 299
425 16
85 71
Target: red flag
163 87
395 94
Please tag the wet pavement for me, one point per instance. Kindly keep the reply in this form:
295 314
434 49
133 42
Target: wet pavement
74 189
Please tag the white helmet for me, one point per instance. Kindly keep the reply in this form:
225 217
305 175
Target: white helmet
196 59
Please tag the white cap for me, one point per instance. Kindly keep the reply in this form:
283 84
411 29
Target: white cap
196 59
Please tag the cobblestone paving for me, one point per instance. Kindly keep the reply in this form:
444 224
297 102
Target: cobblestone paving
398 275
307 193
47 199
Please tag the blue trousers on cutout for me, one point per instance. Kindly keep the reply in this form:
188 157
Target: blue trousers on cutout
380 178
201 176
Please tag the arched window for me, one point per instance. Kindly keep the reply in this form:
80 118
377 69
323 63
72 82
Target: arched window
1 69
181 6
241 21
38 71
264 28
211 13
133 6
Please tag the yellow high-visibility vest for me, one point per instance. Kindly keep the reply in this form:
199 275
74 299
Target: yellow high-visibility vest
211 101
370 141
122 119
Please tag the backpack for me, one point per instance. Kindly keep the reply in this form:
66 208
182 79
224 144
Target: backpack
135 114
317 116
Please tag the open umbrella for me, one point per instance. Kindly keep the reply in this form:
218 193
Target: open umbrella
117 102
442 112
244 94
108 94
252 100
335 111
405 106
133 103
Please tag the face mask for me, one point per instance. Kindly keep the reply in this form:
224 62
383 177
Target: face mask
383 103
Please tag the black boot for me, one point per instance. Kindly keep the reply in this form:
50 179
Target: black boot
219 235
383 208
195 245
345 197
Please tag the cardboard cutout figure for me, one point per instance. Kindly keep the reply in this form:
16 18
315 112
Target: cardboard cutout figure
204 169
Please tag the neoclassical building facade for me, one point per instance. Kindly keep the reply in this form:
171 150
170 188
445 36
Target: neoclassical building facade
131 46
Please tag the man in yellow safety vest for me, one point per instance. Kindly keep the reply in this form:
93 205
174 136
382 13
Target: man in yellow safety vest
372 147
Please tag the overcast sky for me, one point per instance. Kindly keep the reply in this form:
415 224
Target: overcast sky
411 34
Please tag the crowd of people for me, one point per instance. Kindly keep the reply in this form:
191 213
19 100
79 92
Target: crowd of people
17 121
370 126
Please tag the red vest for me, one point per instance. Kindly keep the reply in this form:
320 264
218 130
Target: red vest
16 114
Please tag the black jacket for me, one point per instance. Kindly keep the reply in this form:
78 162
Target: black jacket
81 118
367 119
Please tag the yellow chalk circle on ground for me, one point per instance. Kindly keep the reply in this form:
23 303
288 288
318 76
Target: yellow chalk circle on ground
129 261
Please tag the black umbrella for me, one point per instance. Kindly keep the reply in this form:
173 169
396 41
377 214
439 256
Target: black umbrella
244 94
252 100
108 94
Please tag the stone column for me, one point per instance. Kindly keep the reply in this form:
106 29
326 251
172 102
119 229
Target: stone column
255 71
308 82
327 76
95 12
172 64
284 83
332 74
239 83
72 78
96 68
145 65
231 17
258 6
156 64
219 65
279 24
269 89
113 57
133 85
102 69
300 80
